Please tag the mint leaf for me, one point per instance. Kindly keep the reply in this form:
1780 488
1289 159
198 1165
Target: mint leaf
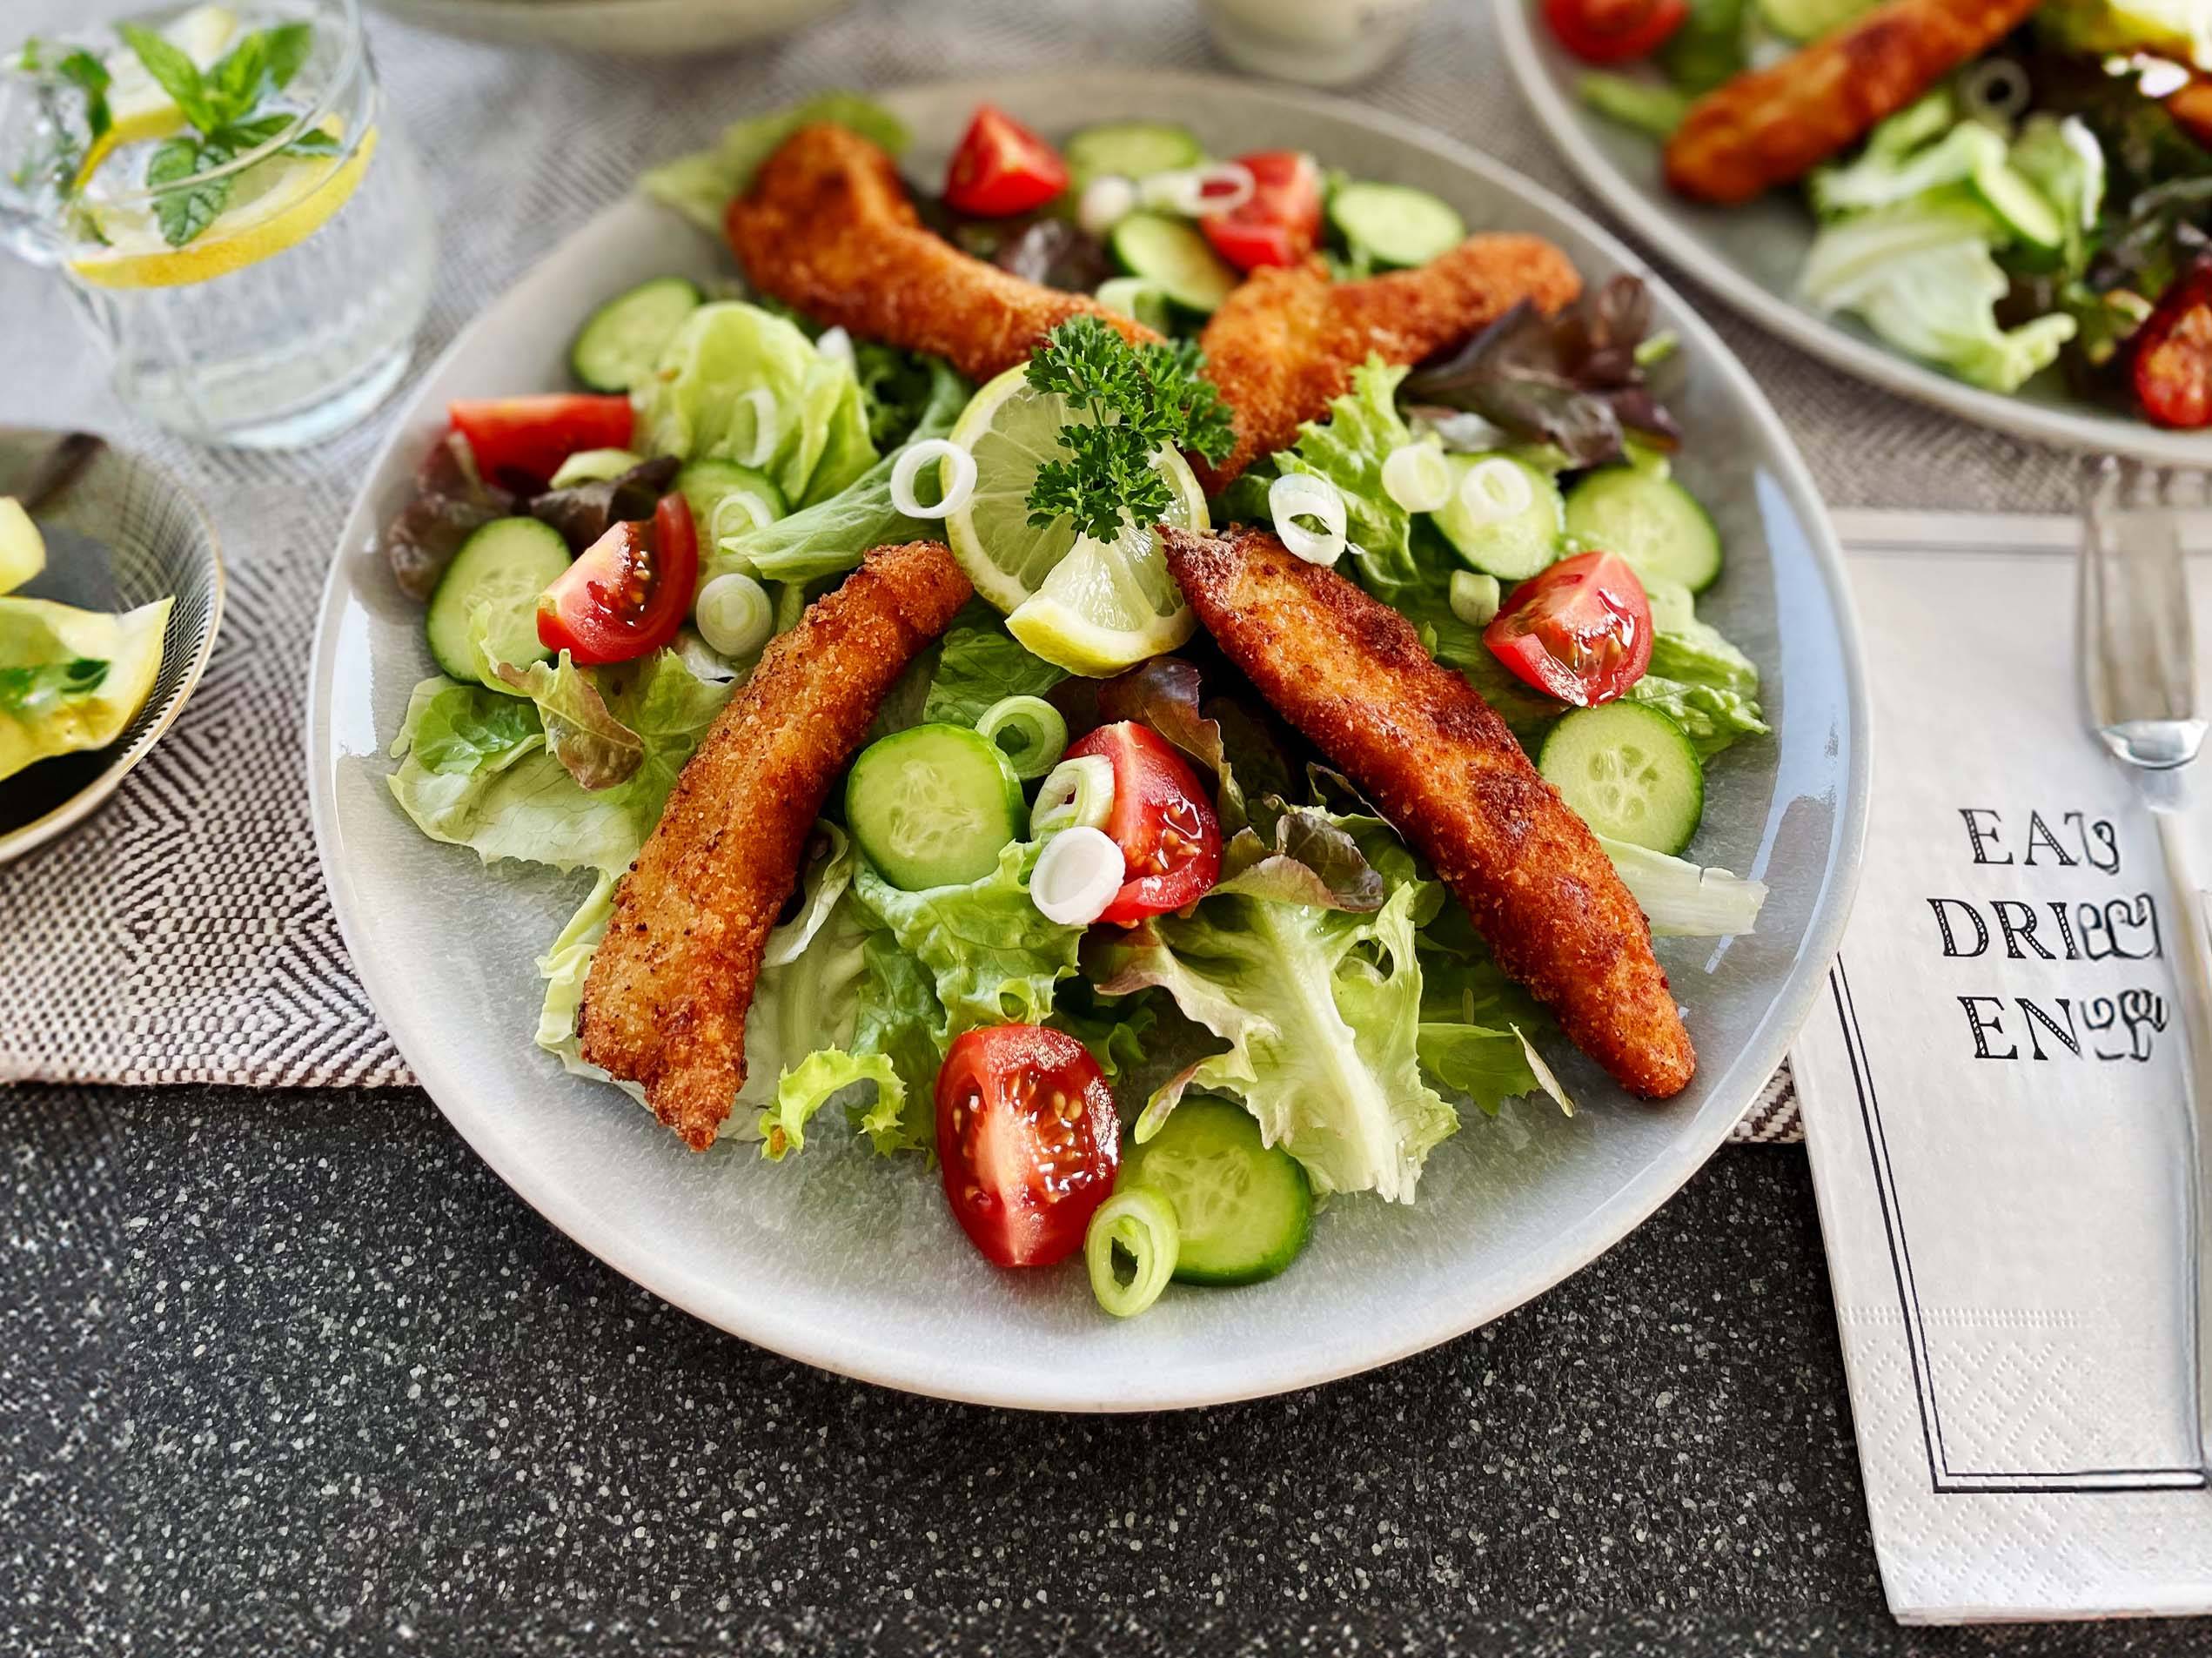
175 73
312 143
234 84
288 46
90 76
185 203
243 136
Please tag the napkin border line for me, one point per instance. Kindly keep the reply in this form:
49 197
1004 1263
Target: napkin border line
1943 1480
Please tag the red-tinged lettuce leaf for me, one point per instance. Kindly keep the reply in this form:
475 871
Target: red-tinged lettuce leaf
450 503
583 513
595 749
1303 856
1570 380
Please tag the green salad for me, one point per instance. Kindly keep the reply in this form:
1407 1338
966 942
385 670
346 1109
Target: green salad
1078 869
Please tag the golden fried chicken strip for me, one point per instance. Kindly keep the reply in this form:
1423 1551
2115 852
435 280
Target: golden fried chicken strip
826 227
1769 126
1350 673
1287 340
669 988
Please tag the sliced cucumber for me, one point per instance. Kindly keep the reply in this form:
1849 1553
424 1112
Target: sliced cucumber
1134 297
620 344
1652 521
505 565
1396 224
1631 773
1515 548
1244 1209
1132 148
707 485
1810 19
2026 211
933 806
1172 256
592 466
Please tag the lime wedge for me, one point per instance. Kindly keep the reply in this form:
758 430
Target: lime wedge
35 634
1093 608
23 549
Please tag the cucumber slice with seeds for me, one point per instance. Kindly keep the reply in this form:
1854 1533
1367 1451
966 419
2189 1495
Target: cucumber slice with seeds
1652 521
505 565
1631 773
1132 148
933 806
620 344
1244 1209
1513 549
1396 224
1176 258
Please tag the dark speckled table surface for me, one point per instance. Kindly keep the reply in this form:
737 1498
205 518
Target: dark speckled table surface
296 1374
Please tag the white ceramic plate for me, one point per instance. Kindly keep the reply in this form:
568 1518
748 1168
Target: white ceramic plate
838 1259
621 28
1750 255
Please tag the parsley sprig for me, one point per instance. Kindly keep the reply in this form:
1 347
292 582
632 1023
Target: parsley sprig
1144 398
223 104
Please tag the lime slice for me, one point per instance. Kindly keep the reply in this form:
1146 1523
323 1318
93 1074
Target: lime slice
276 203
1093 608
23 549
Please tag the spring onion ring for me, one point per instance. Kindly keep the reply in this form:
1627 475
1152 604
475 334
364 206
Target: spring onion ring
1416 477
837 345
1300 495
1076 794
1475 597
956 473
1076 876
1495 490
1995 90
1106 201
768 426
727 517
1028 731
1218 187
734 616
1141 1224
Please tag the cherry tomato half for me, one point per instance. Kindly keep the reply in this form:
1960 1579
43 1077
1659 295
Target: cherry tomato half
628 592
1029 1141
1170 839
1605 31
2173 352
1580 631
1003 168
525 439
1281 223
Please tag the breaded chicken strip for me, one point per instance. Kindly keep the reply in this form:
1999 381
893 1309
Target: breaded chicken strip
1773 125
666 1003
1287 340
826 227
1350 673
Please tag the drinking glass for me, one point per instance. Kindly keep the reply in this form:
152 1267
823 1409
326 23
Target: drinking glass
294 314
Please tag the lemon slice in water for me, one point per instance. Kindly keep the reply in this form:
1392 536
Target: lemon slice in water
1093 608
275 204
137 107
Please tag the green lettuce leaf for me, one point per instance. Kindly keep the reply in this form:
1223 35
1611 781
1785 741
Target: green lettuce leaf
517 800
821 1077
993 955
594 747
899 1017
830 535
979 663
701 186
696 403
1322 1011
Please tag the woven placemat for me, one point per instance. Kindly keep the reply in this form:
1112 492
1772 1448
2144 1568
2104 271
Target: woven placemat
184 933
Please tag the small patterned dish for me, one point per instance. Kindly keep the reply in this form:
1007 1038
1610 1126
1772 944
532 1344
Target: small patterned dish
120 532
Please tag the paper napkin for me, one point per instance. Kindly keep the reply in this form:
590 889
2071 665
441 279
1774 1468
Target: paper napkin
1994 1103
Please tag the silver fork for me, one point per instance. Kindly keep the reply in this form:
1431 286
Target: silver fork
2139 679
